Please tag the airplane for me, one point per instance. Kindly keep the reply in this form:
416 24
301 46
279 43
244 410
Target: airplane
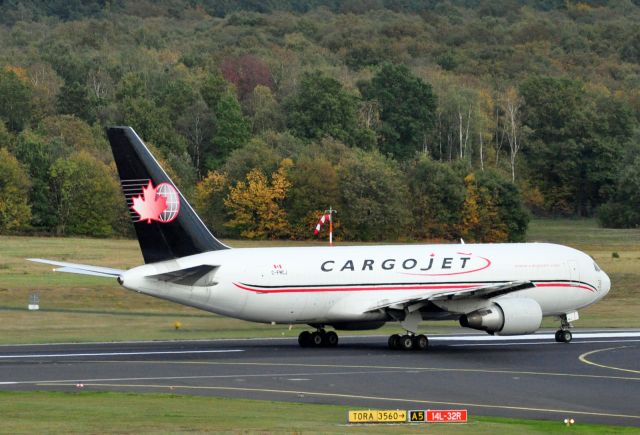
502 288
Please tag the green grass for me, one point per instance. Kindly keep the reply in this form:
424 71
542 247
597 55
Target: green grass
83 308
89 412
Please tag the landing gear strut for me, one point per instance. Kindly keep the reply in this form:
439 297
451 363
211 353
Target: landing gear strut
408 342
319 338
563 335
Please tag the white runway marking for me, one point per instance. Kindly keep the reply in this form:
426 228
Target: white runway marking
578 335
169 352
545 343
466 337
182 378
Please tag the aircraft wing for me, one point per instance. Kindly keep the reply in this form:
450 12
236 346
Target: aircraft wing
485 292
83 269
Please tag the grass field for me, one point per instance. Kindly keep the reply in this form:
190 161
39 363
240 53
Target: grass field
89 412
83 308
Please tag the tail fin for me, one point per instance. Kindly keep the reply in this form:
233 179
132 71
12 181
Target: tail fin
166 225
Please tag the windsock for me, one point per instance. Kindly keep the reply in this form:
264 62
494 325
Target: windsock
323 219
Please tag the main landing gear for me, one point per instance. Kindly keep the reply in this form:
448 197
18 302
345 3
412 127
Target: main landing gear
408 342
563 335
319 338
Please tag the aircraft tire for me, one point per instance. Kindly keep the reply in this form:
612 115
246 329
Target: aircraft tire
420 342
331 339
406 342
563 336
317 339
394 342
304 339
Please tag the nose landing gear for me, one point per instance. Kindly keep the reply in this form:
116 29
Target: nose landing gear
563 335
319 338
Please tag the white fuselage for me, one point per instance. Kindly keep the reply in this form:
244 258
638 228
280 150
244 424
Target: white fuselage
325 285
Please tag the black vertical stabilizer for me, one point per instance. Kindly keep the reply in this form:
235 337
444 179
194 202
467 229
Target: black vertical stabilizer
185 234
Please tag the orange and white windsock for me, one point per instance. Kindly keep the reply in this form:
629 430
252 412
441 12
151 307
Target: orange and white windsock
323 219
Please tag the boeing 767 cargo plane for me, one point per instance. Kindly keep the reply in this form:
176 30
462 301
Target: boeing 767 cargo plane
503 289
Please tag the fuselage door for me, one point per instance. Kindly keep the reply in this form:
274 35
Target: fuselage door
574 273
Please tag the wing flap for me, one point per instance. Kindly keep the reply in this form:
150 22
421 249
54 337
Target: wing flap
485 292
488 291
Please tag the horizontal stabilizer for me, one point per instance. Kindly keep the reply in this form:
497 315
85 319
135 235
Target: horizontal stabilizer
201 276
82 269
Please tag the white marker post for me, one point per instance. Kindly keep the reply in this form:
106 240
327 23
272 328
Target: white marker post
331 211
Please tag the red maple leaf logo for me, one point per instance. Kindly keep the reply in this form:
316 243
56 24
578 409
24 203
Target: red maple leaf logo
149 205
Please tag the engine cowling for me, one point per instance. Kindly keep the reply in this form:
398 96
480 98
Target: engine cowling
508 316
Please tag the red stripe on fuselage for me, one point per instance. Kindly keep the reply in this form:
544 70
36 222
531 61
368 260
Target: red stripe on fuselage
354 289
565 284
460 286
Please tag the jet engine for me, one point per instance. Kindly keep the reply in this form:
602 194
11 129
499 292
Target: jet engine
508 316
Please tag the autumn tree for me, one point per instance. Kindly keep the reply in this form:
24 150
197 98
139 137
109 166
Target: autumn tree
256 204
209 200
480 218
246 72
492 210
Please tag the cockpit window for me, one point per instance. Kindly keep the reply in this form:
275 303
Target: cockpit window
595 266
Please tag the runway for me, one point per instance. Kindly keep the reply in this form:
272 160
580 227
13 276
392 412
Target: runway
595 378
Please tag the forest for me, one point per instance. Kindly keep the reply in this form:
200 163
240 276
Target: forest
416 120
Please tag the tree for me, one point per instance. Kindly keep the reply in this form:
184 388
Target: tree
512 216
73 99
15 212
407 109
315 188
37 154
232 130
86 196
623 209
511 106
575 143
373 197
15 100
210 193
265 111
323 108
437 197
246 73
256 204
480 215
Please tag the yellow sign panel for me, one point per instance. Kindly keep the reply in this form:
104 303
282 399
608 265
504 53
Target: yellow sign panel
378 416
417 416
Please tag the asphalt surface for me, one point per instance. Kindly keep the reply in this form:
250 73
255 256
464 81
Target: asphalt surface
595 378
